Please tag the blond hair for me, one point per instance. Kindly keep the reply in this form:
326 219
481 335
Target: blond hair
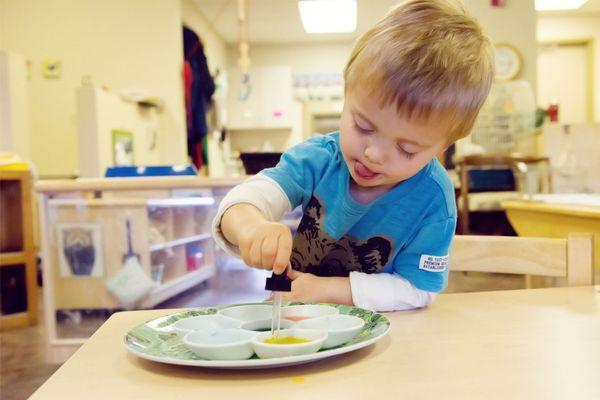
430 58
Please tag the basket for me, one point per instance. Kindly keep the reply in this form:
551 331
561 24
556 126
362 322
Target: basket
256 162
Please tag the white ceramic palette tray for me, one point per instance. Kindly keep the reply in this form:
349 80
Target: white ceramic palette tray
234 336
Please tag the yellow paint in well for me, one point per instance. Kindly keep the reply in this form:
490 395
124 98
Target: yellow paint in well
286 340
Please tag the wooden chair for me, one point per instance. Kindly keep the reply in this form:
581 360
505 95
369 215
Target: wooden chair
464 164
570 258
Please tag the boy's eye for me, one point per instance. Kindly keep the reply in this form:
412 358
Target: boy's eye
405 153
361 128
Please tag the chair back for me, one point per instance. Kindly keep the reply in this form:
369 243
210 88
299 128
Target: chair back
571 258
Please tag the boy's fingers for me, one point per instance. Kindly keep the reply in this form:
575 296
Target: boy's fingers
280 263
268 252
286 241
284 252
254 253
245 252
292 273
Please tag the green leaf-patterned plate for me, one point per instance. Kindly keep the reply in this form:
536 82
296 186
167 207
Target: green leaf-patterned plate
156 341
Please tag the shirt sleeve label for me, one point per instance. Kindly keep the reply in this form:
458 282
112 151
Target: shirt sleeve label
434 263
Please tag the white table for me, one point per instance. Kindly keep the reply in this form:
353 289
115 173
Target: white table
521 344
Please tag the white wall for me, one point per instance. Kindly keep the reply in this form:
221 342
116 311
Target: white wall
581 174
557 28
133 43
2 11
303 58
515 23
498 24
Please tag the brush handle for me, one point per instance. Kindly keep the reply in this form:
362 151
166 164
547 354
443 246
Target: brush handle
129 246
130 252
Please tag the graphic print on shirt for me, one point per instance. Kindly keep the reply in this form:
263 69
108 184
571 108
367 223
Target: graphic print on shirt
315 252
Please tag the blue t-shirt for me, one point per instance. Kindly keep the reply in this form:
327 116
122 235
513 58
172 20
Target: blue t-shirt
407 231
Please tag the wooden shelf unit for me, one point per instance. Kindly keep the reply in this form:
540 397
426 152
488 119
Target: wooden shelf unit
13 257
89 292
178 285
17 250
179 242
170 221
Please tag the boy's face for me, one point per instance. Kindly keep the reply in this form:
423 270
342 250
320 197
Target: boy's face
382 148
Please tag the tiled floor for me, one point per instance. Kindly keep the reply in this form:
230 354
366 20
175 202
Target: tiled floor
26 363
23 366
24 358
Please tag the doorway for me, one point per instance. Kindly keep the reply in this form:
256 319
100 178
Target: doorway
565 74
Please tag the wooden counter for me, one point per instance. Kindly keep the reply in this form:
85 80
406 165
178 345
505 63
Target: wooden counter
149 183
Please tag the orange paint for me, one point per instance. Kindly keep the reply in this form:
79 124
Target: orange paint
295 318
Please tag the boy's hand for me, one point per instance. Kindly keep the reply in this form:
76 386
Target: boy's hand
268 245
309 287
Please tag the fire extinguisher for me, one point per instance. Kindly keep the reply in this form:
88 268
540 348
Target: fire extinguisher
553 111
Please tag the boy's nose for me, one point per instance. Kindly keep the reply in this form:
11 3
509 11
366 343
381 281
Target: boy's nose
374 155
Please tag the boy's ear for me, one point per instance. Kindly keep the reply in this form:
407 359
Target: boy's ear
448 145
443 150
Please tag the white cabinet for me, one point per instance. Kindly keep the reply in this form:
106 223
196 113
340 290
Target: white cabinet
14 126
268 103
102 112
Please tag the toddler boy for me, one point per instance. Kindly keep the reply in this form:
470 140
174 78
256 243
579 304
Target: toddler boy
378 208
